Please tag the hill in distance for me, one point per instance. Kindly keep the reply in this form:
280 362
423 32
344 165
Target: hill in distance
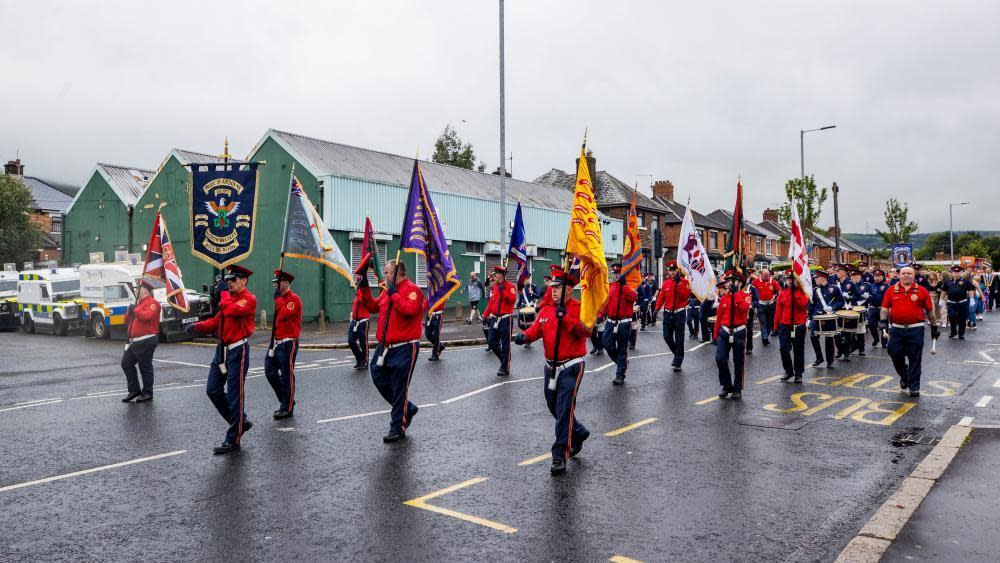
875 241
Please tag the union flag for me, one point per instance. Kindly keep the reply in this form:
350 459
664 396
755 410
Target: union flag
161 265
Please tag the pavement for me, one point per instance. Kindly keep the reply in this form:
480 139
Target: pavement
670 472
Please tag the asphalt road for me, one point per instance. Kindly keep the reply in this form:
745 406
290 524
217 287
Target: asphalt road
788 474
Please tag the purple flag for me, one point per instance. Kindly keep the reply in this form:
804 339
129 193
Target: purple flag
422 233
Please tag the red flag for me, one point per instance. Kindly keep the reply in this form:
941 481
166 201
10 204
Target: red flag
369 253
161 265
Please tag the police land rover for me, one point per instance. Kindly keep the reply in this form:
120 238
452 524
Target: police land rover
45 300
108 290
8 300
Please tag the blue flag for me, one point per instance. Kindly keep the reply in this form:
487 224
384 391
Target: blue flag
223 211
422 234
518 251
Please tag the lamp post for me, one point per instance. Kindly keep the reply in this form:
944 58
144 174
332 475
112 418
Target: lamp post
951 232
503 149
802 145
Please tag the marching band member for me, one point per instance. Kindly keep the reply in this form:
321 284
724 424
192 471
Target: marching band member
731 334
904 308
143 324
790 315
826 299
618 326
862 297
432 330
357 329
498 316
673 299
279 362
878 288
767 290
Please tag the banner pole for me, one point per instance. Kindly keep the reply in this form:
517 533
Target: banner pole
281 259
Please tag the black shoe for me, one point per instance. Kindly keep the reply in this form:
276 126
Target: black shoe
788 375
736 396
914 393
225 448
433 358
749 351
724 394
631 347
818 363
130 396
393 437
798 379
282 413
845 359
619 380
829 365
961 338
144 397
361 367
468 322
578 445
765 342
593 352
409 419
247 425
902 383
677 369
558 466
503 373
951 336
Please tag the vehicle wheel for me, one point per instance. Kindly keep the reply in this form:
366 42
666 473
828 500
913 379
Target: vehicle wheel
29 325
98 327
58 325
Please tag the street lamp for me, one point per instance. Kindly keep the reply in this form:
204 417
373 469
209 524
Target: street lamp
951 232
802 149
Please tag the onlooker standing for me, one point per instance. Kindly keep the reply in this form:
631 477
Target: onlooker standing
143 335
975 303
475 291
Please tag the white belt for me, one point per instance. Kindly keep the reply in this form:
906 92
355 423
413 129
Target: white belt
283 340
398 344
438 313
562 366
496 323
678 310
618 321
364 320
141 338
735 330
914 325
236 344
957 302
765 302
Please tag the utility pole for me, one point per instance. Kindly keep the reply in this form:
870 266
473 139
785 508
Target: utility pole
503 150
836 221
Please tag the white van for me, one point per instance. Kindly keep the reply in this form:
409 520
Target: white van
46 300
8 300
108 290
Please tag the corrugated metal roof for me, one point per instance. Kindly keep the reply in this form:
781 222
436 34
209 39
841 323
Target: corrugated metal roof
326 158
47 196
610 191
128 182
192 157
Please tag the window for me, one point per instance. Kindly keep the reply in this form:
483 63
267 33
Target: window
701 235
767 246
67 286
116 292
8 285
474 247
383 252
713 240
421 274
641 216
760 246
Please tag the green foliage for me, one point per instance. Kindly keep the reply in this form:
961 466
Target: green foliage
449 149
19 237
976 248
809 199
880 254
935 242
898 227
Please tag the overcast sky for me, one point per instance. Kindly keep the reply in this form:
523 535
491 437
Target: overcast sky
686 91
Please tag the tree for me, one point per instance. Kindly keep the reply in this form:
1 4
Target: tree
977 248
809 199
935 242
449 149
880 254
898 227
19 237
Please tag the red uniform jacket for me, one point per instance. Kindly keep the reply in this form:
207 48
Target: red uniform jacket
288 316
572 342
238 310
739 315
766 290
674 294
907 306
146 319
546 298
783 310
618 308
502 300
358 309
406 321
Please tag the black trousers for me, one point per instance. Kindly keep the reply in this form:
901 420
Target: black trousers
706 311
139 353
958 317
792 349
815 338
432 330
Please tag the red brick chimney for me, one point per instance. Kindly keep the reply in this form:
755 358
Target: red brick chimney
13 168
664 189
833 232
771 215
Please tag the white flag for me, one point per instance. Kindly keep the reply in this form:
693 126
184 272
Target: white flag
797 252
692 258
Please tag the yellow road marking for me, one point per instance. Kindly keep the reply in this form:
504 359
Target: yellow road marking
421 502
769 379
202 344
534 460
623 559
632 426
708 400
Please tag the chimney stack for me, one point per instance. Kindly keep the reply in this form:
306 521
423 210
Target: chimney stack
771 215
663 189
13 168
497 172
833 232
591 164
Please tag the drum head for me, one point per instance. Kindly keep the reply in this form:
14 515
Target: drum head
847 314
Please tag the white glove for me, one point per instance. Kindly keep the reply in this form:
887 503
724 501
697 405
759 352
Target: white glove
866 295
828 309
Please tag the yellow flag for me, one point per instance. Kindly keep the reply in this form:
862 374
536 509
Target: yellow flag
585 243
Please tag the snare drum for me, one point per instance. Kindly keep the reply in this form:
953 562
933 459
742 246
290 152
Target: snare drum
848 321
525 316
635 317
862 311
826 325
711 325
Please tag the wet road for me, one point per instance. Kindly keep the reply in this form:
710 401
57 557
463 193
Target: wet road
790 473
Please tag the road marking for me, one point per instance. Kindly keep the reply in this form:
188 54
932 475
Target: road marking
35 401
623 559
202 344
984 401
487 388
181 363
109 391
707 401
996 383
92 470
988 357
609 364
534 460
769 379
632 426
421 502
966 421
703 344
35 404
366 414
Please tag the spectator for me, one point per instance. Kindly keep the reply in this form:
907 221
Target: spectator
475 290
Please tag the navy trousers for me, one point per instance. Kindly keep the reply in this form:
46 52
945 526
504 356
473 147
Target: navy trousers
731 381
562 404
706 311
432 330
694 320
673 335
616 343
357 340
139 353
873 329
749 339
814 339
906 348
226 389
499 339
765 316
280 372
392 379
958 317
792 349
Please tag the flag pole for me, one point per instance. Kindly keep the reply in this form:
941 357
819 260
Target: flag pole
281 258
562 295
142 278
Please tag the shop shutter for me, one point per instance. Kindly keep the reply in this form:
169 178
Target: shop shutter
383 250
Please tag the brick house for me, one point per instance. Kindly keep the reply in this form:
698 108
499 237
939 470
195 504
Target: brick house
712 233
51 201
